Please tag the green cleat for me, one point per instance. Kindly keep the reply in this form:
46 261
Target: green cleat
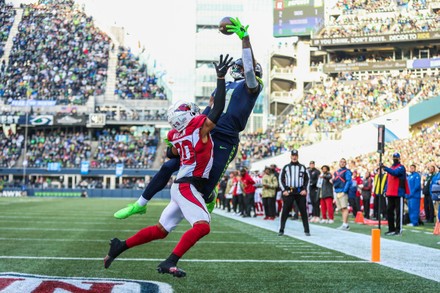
210 206
131 209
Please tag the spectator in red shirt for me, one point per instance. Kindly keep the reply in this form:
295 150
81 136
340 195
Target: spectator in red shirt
249 192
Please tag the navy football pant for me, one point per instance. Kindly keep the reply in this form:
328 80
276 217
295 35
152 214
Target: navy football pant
224 153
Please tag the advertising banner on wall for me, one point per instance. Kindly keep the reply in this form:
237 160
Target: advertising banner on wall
365 66
376 39
424 63
67 119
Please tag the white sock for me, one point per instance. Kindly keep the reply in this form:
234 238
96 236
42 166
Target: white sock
345 224
142 201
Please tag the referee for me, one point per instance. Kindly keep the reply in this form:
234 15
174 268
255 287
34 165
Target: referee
293 183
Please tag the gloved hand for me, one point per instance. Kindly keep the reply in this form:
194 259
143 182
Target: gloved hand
222 67
238 28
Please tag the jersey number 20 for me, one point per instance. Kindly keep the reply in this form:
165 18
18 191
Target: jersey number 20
186 152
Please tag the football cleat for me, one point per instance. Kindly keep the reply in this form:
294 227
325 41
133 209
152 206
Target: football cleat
170 268
210 206
116 248
131 209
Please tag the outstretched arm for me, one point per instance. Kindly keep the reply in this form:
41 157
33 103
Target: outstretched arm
219 99
249 64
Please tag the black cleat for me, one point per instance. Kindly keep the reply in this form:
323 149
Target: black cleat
116 248
281 233
170 268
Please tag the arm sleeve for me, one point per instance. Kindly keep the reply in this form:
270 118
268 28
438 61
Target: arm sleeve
249 71
170 154
348 181
396 172
418 183
219 101
206 111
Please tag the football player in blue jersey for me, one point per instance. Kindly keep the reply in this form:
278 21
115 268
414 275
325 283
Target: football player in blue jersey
241 95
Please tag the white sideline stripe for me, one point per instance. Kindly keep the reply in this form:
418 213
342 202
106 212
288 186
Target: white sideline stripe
102 230
185 260
106 240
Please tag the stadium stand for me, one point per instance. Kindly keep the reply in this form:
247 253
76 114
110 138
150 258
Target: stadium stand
11 145
58 54
380 17
133 81
421 149
6 20
122 147
67 148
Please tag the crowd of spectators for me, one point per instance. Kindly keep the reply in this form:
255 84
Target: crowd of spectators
354 6
339 103
11 145
7 14
257 146
381 17
116 147
133 81
58 54
68 148
421 149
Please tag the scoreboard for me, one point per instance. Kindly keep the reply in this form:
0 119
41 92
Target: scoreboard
297 17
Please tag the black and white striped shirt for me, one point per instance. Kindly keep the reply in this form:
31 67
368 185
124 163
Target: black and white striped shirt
294 176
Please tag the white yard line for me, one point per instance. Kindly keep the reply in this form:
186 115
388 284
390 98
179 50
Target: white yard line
184 260
99 230
107 240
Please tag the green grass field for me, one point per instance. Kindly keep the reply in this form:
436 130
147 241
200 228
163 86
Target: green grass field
69 237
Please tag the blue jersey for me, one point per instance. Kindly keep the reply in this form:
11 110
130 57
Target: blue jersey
238 108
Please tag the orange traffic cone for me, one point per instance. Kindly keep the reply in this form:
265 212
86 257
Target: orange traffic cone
437 228
359 218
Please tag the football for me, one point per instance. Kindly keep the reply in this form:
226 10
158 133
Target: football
222 25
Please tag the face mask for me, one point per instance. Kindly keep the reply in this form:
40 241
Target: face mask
395 161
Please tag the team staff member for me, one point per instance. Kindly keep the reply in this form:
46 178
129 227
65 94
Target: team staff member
249 192
428 203
413 199
270 184
397 187
342 180
293 183
313 191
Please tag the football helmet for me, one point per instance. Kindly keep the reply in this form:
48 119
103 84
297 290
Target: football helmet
237 70
181 113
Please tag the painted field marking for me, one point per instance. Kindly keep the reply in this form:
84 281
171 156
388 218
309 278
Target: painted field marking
107 240
184 260
100 230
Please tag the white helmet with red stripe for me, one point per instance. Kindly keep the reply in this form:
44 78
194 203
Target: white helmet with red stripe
181 113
